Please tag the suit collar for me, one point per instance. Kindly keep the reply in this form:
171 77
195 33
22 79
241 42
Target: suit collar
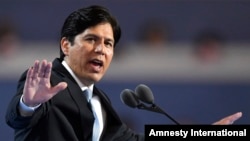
87 118
60 69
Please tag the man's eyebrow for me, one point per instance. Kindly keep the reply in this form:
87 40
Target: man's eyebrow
96 36
90 35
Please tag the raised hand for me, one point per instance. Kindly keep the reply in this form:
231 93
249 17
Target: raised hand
229 119
37 88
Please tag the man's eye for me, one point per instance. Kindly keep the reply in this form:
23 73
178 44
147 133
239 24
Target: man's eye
90 39
109 44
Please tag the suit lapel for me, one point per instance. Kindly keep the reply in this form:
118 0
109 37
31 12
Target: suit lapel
106 103
113 121
87 118
84 108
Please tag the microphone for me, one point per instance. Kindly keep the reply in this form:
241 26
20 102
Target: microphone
129 98
144 94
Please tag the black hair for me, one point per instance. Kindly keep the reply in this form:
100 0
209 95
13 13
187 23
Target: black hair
83 18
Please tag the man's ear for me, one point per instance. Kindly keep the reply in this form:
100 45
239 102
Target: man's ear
65 45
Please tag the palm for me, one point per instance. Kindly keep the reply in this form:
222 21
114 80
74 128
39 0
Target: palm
37 88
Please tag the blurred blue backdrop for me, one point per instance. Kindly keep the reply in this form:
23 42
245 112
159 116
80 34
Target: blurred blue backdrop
203 101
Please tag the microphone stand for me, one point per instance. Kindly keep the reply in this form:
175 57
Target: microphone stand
157 109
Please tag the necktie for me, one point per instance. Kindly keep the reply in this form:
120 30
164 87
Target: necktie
96 109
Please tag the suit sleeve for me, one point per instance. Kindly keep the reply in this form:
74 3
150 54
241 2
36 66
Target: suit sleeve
13 116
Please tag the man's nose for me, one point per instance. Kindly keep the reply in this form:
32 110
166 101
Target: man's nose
99 48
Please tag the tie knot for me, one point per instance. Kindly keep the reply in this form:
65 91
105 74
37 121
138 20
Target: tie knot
88 94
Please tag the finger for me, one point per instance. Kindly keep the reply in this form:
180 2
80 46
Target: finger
35 70
60 86
47 71
42 68
231 119
29 75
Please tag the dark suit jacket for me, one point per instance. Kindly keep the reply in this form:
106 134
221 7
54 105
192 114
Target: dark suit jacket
67 116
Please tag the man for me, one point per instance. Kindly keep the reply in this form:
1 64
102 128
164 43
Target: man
50 104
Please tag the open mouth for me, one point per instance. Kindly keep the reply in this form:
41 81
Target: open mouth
96 64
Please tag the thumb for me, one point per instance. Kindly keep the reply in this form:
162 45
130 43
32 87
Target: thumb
59 87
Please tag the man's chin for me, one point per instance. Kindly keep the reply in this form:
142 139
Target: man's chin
96 77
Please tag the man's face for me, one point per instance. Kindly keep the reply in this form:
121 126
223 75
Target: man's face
91 53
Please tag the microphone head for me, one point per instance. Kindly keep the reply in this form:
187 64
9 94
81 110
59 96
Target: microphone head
129 98
144 93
